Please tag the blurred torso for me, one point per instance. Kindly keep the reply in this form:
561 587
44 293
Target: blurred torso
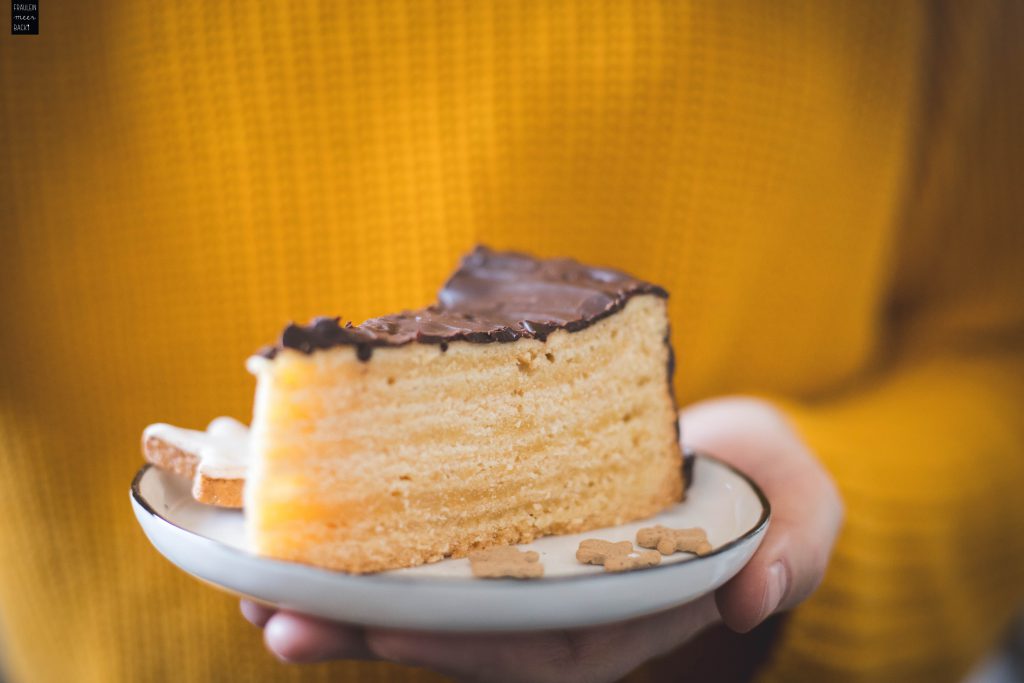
188 177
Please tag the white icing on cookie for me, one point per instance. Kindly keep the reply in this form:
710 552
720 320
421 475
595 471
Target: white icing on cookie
257 364
223 449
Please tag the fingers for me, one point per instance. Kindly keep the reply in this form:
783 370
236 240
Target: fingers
298 638
255 613
806 508
657 634
600 653
472 657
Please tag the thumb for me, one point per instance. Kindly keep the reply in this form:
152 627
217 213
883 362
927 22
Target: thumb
791 561
806 508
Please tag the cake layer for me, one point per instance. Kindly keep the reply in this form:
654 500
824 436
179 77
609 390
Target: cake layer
432 450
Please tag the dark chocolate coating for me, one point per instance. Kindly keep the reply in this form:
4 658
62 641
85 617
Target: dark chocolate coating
492 297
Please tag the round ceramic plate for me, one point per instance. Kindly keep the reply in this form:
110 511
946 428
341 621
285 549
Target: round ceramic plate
209 543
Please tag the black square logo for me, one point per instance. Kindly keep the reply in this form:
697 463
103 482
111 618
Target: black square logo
24 17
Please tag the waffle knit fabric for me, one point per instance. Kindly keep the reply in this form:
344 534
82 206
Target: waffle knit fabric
831 192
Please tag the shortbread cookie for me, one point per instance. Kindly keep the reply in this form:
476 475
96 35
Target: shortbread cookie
669 541
506 562
534 397
615 557
215 460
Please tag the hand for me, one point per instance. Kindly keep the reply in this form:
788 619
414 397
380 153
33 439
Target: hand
747 433
807 511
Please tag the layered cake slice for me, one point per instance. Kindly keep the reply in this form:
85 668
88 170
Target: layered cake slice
533 398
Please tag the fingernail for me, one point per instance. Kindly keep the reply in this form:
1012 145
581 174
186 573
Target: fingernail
775 589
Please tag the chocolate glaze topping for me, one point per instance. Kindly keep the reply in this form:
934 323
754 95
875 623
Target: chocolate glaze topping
492 297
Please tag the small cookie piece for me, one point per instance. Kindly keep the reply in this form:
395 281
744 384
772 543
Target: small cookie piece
596 551
616 557
668 541
215 460
505 562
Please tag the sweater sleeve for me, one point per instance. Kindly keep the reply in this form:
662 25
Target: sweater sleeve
928 450
929 568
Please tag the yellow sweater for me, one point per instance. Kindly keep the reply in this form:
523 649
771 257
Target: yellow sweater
831 192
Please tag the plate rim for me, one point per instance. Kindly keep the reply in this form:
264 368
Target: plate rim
759 526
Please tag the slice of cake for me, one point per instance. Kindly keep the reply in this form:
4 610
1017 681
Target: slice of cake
533 398
215 461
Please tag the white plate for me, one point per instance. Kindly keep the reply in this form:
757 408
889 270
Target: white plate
209 543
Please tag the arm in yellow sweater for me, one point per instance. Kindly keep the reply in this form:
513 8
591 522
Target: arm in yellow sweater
929 454
930 565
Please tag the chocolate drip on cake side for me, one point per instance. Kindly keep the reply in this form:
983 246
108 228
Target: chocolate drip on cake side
492 297
686 455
